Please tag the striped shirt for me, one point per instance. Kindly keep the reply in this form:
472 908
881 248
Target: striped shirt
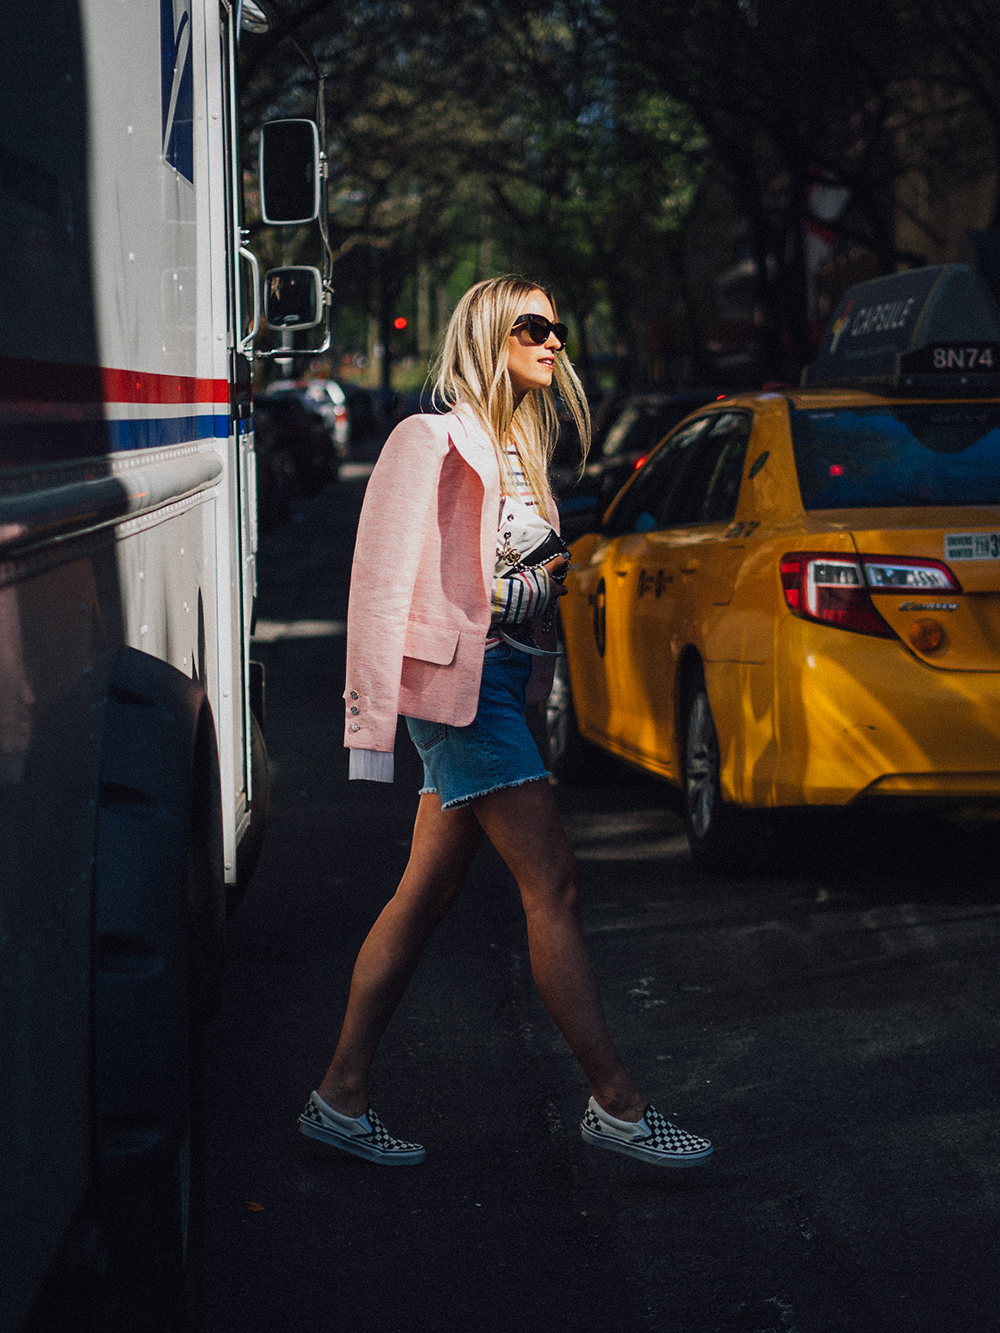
518 595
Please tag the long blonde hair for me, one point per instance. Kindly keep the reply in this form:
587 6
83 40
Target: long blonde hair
472 367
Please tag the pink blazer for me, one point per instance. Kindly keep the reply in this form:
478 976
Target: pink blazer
419 607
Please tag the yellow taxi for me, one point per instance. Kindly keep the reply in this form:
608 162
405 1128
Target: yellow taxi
795 601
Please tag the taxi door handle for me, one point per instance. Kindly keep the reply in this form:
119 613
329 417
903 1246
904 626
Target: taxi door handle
691 566
622 573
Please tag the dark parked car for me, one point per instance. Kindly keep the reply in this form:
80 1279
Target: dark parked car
295 455
362 409
325 397
639 425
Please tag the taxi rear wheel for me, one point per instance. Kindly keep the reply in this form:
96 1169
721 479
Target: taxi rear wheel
723 838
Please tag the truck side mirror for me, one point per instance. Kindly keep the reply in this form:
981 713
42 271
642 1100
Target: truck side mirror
293 297
252 16
289 172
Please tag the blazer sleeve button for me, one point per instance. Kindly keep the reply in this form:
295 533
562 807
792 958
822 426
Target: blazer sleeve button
355 727
354 694
354 710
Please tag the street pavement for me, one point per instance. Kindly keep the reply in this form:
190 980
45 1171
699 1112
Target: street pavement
832 1029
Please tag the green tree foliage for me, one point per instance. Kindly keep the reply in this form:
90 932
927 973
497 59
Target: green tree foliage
506 121
614 148
400 139
593 180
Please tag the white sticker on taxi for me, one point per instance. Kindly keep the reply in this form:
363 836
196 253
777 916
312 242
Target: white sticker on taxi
972 546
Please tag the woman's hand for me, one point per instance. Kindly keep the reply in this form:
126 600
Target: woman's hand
556 568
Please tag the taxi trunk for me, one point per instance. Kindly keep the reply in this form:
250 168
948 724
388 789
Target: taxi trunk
934 578
907 704
914 483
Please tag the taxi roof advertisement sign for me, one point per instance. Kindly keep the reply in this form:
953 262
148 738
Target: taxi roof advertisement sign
873 323
878 325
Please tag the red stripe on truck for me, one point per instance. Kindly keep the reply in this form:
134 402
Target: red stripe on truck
24 381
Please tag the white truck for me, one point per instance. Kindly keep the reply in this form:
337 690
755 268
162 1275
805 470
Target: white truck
132 769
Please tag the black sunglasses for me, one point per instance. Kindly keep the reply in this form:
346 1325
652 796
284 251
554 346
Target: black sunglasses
538 329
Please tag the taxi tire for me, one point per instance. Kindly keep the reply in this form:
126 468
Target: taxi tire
723 838
572 760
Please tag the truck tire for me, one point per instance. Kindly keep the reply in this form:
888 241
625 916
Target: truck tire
133 1256
152 1228
160 935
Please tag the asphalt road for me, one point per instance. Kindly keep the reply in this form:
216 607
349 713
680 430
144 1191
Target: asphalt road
833 1030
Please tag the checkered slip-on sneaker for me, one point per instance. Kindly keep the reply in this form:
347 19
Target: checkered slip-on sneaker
364 1137
652 1139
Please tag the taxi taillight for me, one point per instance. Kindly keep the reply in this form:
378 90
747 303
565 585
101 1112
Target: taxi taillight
837 590
831 589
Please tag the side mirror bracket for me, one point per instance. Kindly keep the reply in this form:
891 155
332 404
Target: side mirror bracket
293 193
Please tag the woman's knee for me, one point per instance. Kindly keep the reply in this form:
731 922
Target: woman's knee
427 902
554 887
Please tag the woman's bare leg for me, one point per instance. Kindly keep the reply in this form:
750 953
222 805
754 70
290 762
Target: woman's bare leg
444 843
524 826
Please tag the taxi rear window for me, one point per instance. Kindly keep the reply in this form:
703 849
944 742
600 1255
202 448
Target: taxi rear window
890 458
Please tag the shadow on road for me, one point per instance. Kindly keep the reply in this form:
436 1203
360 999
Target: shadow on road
832 1028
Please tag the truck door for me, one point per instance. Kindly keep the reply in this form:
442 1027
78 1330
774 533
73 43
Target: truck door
242 498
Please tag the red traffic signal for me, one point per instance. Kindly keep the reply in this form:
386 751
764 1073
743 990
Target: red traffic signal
399 323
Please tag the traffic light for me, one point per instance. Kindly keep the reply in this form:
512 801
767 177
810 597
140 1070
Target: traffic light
399 323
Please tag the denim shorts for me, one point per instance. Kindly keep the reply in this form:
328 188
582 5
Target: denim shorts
496 750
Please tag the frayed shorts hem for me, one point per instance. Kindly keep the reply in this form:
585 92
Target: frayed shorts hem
458 801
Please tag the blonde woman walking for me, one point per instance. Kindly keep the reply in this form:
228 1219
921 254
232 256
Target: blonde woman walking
457 572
